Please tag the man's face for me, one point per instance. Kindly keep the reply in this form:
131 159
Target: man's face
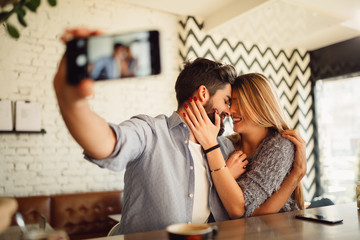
120 53
220 101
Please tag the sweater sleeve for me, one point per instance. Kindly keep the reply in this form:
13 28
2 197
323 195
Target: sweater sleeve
269 166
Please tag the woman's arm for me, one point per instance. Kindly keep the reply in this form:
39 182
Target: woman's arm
231 195
279 198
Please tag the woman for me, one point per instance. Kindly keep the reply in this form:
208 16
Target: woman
265 155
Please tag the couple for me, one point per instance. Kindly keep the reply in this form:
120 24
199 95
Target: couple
119 64
169 177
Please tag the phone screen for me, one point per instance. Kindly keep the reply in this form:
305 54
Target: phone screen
318 218
133 54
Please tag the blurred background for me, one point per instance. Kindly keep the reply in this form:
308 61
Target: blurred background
308 48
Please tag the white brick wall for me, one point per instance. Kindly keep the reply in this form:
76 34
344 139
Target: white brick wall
33 164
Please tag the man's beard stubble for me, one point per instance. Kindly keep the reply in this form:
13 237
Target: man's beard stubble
222 126
211 114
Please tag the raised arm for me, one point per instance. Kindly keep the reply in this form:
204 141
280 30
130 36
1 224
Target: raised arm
90 130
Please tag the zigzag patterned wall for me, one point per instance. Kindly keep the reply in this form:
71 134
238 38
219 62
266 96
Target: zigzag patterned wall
289 71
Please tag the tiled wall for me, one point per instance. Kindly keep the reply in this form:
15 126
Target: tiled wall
33 164
287 68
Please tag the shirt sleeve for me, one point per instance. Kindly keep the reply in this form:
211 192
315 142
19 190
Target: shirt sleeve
132 137
98 66
268 169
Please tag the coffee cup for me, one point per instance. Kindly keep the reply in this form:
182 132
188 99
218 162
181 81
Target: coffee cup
183 231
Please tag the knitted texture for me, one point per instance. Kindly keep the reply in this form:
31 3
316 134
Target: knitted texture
267 168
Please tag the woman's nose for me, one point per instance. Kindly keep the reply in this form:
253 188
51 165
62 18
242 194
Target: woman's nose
232 110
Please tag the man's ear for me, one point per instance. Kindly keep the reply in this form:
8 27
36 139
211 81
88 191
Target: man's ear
203 94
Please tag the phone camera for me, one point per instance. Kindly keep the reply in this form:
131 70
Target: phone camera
80 43
81 60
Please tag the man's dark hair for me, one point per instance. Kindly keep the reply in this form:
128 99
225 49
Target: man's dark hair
117 45
213 75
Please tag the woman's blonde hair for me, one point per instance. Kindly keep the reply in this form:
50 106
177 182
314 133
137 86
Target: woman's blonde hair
258 100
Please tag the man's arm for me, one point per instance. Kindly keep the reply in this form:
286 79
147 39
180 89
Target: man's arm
279 198
90 130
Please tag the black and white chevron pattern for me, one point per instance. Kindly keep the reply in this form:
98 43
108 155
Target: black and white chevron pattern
289 71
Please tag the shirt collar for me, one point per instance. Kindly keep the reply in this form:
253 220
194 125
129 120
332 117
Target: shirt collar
175 120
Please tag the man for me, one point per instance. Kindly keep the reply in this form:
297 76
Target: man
167 179
111 67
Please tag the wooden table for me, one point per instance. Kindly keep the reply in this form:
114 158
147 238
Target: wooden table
279 226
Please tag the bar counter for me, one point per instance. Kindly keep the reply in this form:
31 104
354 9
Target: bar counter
278 226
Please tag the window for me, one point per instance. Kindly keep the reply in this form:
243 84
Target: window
337 106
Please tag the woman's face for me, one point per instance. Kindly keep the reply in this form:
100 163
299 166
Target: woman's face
241 123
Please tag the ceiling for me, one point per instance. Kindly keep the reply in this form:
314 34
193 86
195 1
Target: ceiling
308 24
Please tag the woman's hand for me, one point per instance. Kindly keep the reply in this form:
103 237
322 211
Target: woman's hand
300 163
237 163
200 124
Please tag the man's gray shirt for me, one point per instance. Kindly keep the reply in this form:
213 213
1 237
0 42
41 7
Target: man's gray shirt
159 177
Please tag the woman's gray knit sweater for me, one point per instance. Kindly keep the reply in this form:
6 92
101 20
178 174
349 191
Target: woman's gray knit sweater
266 170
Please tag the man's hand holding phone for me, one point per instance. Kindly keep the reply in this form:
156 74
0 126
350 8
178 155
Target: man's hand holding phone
91 131
90 57
64 91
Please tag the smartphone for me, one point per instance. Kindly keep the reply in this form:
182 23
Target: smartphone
124 55
318 218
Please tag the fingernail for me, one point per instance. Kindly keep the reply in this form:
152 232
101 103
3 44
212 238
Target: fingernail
190 99
195 98
186 106
184 114
216 111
